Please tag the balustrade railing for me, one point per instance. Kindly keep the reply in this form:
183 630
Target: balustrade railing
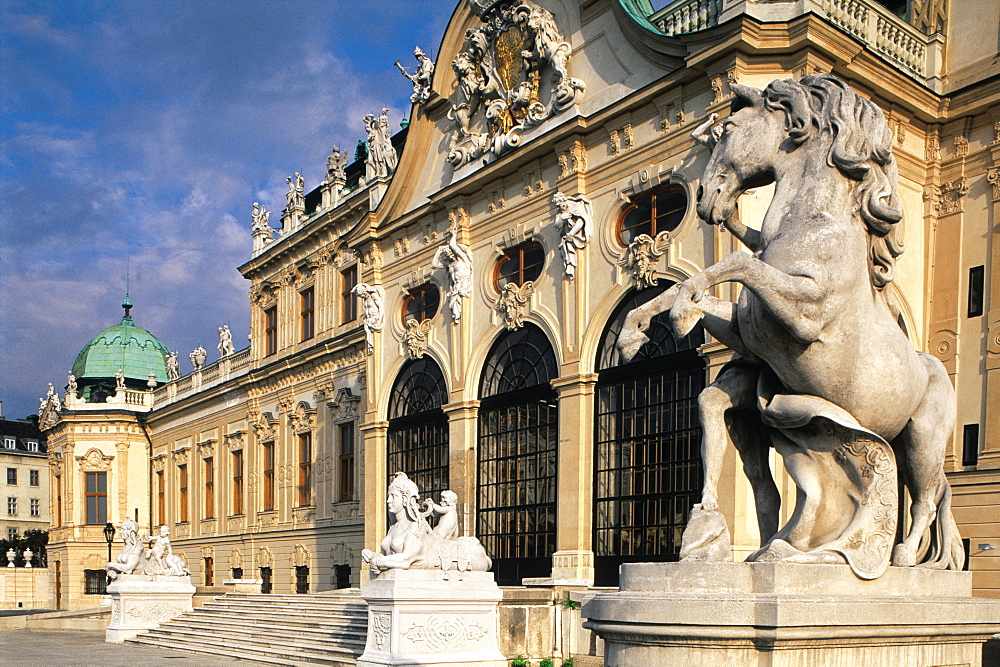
866 20
207 376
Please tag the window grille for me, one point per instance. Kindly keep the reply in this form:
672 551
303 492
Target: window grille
647 459
418 427
518 437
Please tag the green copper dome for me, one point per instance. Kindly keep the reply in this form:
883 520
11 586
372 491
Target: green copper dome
126 346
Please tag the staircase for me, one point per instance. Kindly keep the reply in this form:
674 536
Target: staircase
327 628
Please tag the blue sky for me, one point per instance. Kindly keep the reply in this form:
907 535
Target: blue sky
143 131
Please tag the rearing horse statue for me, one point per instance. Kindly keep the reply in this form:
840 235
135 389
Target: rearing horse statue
824 372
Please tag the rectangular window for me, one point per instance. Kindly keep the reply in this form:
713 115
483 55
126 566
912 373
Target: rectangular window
209 488
208 574
238 482
342 576
970 445
268 476
305 469
9 442
265 580
36 508
12 506
33 477
12 533
161 498
182 483
59 512
976 282
32 445
308 313
271 331
348 302
346 461
12 475
237 573
95 582
301 579
97 498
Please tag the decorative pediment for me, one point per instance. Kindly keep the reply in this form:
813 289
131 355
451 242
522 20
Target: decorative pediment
264 557
95 461
206 447
300 556
344 406
265 427
303 418
236 559
235 440
180 456
158 462
264 293
512 76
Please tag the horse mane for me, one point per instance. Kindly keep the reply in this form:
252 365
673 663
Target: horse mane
861 149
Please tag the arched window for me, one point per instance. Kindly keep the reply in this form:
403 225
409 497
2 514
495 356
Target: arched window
518 434
421 303
520 264
418 427
660 210
647 459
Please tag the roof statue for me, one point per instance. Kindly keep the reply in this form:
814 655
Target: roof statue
824 372
198 356
173 367
336 163
504 92
225 345
421 76
381 160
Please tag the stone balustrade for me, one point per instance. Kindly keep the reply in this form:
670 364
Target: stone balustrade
902 44
223 370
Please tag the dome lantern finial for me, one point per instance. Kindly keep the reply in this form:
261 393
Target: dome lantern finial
127 305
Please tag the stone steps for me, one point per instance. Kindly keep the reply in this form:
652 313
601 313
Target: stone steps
275 629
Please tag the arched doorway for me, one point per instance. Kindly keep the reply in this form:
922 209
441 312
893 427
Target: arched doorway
518 437
647 458
417 437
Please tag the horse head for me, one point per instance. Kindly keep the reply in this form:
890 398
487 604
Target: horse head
743 156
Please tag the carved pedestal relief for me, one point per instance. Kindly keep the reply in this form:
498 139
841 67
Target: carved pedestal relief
512 75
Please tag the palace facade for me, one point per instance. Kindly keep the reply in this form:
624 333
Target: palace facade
454 314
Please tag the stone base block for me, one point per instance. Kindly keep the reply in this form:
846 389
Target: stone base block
416 617
141 602
243 585
786 614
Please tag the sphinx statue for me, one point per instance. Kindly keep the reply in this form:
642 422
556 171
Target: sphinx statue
411 543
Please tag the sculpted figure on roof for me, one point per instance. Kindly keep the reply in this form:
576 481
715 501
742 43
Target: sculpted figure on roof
381 159
503 91
421 76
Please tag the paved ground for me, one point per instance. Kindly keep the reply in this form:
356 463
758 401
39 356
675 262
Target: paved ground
33 648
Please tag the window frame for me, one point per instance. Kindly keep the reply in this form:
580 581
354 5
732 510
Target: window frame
347 461
208 467
518 253
419 294
161 497
305 469
182 493
35 507
98 496
271 331
307 313
11 506
267 496
652 196
348 301
237 470
34 478
11 476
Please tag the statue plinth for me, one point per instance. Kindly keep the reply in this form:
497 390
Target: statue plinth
141 602
739 614
417 617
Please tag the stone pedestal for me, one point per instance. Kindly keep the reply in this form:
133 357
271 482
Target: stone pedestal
416 617
785 614
141 602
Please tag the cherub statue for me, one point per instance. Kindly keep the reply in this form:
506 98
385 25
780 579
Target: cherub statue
119 379
421 76
447 513
70 383
160 558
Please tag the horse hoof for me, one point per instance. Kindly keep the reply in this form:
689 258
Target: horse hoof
685 321
904 556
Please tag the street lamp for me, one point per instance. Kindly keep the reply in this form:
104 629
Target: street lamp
109 535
